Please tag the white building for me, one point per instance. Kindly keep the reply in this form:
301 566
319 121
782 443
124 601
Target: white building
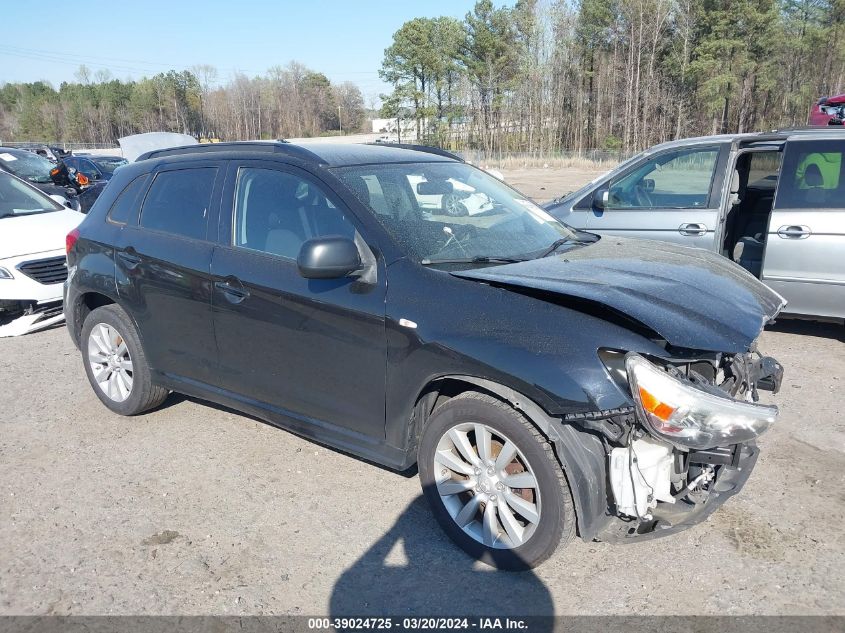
390 127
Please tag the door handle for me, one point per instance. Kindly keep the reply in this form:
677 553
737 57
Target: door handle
692 229
233 291
129 257
794 232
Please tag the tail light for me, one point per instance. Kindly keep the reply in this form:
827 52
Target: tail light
70 240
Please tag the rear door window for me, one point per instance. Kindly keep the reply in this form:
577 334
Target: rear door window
178 202
813 175
89 169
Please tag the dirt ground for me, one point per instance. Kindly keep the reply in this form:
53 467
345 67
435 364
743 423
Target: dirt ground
543 185
195 509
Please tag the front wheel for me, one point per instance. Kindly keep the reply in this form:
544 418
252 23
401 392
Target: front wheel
493 482
452 206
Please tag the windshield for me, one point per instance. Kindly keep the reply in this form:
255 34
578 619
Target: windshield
453 211
17 198
27 165
109 164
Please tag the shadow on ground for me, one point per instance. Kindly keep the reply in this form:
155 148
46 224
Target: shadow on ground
415 570
818 329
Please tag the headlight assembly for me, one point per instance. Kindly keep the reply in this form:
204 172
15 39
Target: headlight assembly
689 417
5 274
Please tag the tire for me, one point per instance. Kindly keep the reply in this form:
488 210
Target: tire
451 205
505 545
112 327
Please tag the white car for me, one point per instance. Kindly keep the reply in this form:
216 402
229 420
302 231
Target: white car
462 200
33 227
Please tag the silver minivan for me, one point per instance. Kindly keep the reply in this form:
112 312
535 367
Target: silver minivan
772 202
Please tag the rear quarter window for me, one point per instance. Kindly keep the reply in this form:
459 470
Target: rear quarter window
813 175
178 202
123 208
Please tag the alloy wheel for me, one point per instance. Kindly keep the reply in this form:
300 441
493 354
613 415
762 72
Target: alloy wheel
111 363
453 206
487 486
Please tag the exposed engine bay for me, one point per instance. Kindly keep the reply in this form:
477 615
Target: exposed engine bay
671 459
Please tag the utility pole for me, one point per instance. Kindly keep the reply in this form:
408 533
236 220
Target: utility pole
339 121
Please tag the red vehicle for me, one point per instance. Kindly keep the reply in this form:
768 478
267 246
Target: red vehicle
828 111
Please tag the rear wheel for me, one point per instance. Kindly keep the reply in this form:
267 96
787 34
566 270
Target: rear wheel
115 363
493 482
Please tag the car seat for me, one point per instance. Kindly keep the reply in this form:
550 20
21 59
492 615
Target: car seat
274 217
751 224
815 194
748 253
360 188
748 250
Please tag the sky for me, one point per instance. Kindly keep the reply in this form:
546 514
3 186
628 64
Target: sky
343 40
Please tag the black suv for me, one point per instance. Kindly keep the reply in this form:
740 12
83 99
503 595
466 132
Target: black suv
542 379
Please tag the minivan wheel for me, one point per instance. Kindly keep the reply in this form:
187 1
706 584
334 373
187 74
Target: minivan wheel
115 363
493 482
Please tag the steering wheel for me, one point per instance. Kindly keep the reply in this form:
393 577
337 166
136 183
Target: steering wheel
642 198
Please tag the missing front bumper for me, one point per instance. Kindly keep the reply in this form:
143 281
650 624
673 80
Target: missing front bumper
24 317
669 518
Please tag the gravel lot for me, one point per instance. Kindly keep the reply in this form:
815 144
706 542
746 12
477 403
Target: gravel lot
195 509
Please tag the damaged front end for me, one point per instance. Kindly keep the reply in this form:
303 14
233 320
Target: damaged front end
688 444
19 317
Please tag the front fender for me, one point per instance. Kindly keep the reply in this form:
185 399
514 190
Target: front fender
581 454
545 351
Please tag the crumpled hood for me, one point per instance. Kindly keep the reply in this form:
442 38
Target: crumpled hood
689 296
36 233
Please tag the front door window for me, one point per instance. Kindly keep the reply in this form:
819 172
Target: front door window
673 180
276 212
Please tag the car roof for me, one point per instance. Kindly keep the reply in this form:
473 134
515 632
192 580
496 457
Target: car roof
14 150
325 154
751 137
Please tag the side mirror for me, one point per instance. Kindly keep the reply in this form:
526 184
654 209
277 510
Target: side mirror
600 198
434 187
329 257
61 200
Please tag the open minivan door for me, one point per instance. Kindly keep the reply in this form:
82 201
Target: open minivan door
805 245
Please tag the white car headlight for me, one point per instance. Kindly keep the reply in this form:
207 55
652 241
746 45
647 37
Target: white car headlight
5 274
689 417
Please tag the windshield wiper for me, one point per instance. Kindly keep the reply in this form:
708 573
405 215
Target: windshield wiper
21 212
575 239
556 245
479 259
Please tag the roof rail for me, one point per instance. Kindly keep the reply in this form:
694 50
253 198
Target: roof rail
428 149
808 128
280 146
